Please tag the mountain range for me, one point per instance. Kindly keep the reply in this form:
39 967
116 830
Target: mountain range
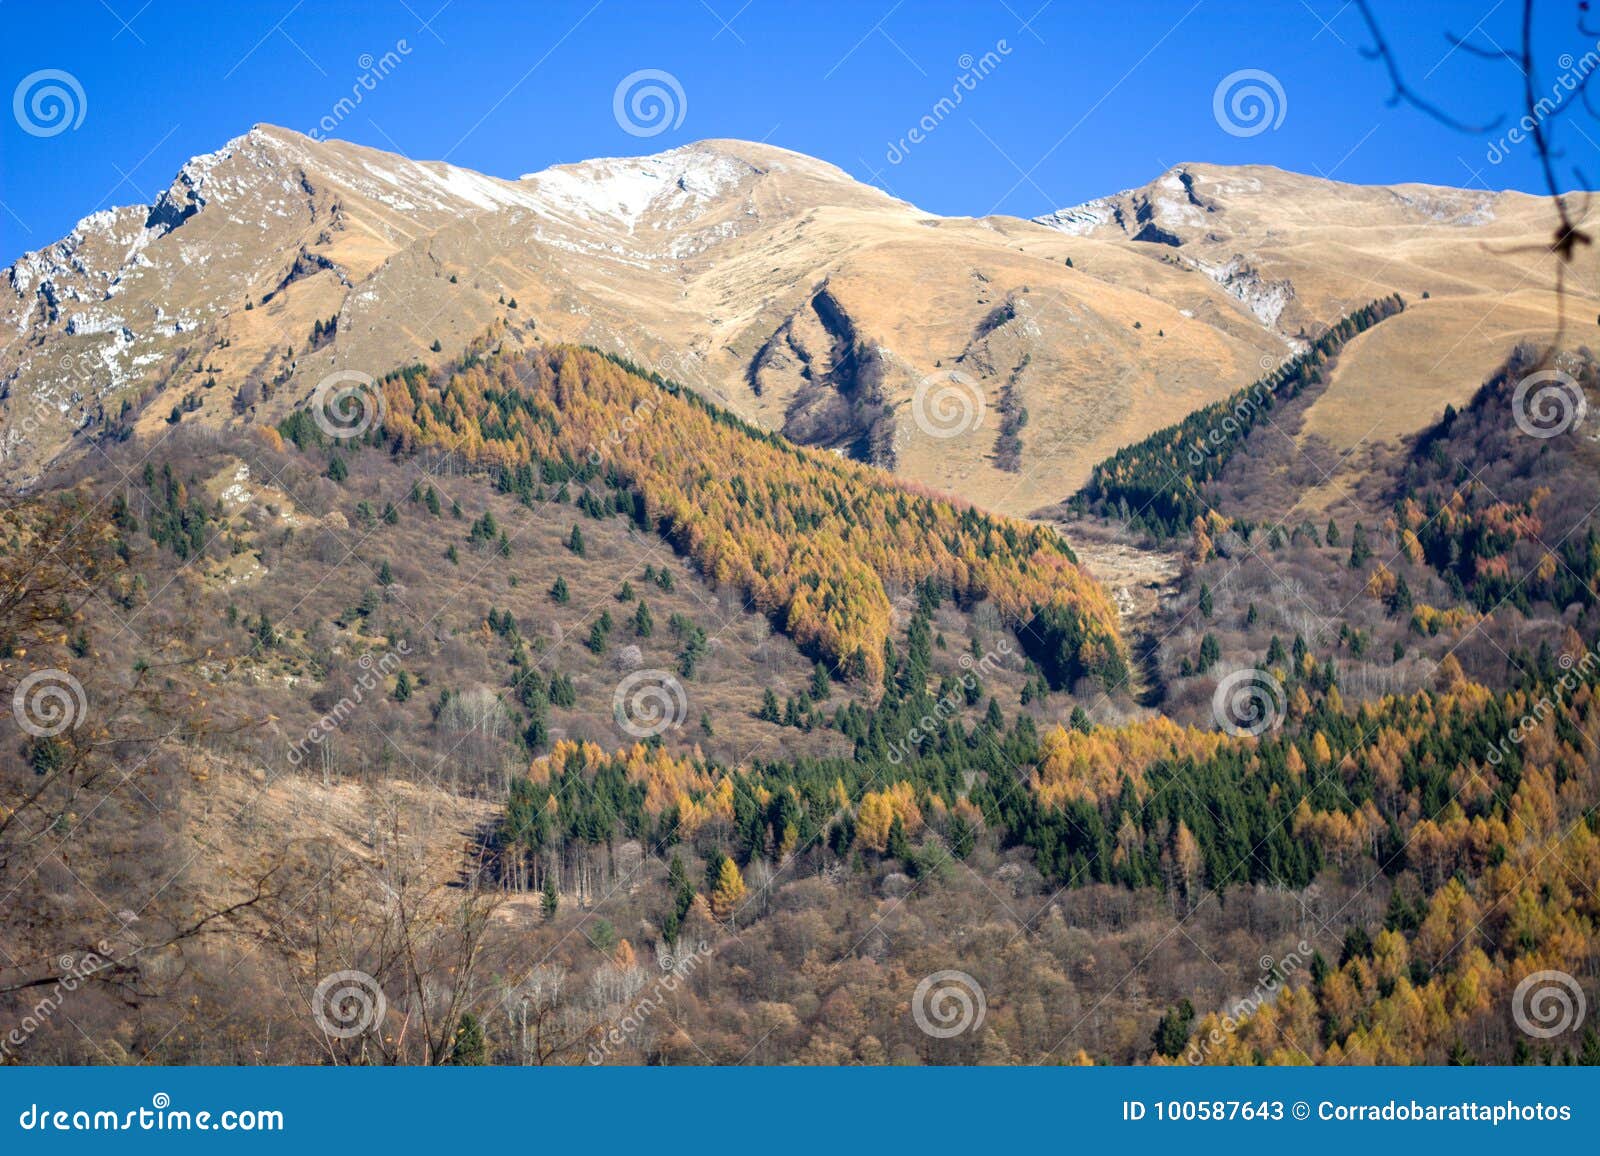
424 595
774 283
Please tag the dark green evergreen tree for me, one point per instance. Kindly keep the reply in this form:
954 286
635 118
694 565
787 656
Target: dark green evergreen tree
471 1049
1172 1032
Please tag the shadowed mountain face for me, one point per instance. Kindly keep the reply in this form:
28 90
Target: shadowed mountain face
996 358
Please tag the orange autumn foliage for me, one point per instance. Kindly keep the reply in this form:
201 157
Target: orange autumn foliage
816 541
1074 765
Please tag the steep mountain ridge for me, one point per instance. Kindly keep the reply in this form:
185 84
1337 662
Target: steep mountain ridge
1475 267
692 261
774 283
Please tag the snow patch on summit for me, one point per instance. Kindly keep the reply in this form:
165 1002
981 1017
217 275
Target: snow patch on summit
1178 208
676 187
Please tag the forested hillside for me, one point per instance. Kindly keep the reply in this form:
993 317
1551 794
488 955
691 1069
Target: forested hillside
1160 484
1374 761
1518 526
1450 799
817 542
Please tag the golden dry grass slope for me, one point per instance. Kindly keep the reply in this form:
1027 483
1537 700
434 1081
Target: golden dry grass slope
774 283
1474 267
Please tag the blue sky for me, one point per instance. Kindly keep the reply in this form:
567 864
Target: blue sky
1079 100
